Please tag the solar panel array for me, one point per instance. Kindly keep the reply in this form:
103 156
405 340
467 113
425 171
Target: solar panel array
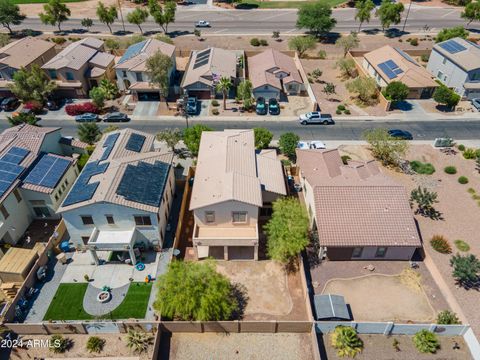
406 56
135 142
390 68
202 58
10 169
452 46
144 183
108 145
47 171
132 51
82 190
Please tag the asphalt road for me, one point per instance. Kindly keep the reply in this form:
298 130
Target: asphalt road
342 130
265 21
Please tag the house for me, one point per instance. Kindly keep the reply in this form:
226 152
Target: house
206 67
233 183
273 73
22 53
122 197
358 212
131 69
456 63
35 176
388 64
79 67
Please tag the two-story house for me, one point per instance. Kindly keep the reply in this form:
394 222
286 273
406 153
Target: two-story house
131 69
35 176
456 63
79 67
19 54
232 184
122 197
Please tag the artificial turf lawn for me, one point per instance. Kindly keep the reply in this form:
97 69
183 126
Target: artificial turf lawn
67 304
40 1
285 4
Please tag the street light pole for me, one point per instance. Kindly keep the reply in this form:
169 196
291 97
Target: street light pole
406 17
121 15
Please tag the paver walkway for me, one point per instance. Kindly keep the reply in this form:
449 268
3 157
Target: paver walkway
95 307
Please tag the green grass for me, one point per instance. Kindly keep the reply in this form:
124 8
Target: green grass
422 168
285 4
67 304
19 2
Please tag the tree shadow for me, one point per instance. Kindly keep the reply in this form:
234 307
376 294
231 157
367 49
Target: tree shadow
176 33
246 6
444 108
239 293
394 32
122 33
431 213
371 31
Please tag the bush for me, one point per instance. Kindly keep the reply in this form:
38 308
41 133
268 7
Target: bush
346 341
461 147
425 57
338 112
414 42
58 344
263 42
78 109
341 107
465 269
477 153
462 245
426 342
469 154
447 317
322 54
422 168
35 106
463 180
215 103
450 170
347 112
255 42
345 159
95 344
215 112
440 244
58 40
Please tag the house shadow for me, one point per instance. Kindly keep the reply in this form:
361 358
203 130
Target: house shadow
165 345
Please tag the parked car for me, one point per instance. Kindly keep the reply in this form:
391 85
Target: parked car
192 105
273 107
476 103
1 100
87 117
116 117
10 104
202 24
400 134
52 105
316 117
261 107
314 144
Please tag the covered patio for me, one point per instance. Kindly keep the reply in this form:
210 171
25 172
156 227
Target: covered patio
112 241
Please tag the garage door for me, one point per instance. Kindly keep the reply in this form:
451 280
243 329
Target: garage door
241 252
200 94
148 96
266 94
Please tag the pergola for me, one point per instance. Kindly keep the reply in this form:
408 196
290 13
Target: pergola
108 240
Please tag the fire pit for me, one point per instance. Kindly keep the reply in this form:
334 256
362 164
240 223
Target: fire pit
104 296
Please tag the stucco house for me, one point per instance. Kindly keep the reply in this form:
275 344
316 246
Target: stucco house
233 183
273 73
131 69
79 67
456 63
358 212
388 64
35 176
22 53
122 197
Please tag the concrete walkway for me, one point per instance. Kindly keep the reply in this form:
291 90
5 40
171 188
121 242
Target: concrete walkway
163 262
95 307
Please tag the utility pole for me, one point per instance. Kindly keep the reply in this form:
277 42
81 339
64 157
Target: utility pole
121 15
406 17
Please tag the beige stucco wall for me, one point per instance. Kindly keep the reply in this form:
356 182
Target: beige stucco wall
223 214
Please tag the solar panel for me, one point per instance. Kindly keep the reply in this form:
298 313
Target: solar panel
82 190
135 142
204 53
132 51
406 56
108 145
48 171
386 70
452 46
15 155
200 63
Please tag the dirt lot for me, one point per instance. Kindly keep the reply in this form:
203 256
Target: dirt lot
272 294
208 346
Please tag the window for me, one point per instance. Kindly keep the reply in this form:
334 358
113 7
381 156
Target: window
357 252
66 182
475 76
209 217
17 195
444 61
85 239
381 251
87 220
124 73
69 75
52 73
110 220
239 217
56 197
142 220
139 76
4 212
440 75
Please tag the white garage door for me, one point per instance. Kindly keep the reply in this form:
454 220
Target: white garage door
267 94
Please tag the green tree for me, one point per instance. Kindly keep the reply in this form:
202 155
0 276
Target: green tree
425 201
223 86
384 147
347 43
426 342
445 96
163 16
138 341
158 69
10 14
55 12
447 317
138 17
89 132
192 137
465 269
364 11
32 84
97 94
287 230
171 137
389 13
109 88
316 17
301 44
396 91
288 143
22 118
195 291
346 341
365 88
471 12
87 23
450 33
347 67
107 14
263 137
244 93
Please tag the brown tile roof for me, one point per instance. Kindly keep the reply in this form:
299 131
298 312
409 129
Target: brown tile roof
73 142
270 172
23 52
468 59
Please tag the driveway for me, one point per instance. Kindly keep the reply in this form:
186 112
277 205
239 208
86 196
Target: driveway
146 108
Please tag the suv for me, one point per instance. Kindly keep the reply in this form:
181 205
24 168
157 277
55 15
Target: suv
202 24
10 104
261 107
192 105
316 117
273 107
116 117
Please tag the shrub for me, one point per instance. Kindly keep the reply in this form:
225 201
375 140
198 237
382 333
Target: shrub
95 344
138 341
465 269
346 341
425 200
426 342
78 109
347 112
341 107
469 154
461 147
255 42
345 159
425 57
463 180
215 112
422 168
58 40
338 112
215 103
58 344
477 153
414 42
263 42
462 245
35 106
316 73
450 170
322 54
440 244
447 317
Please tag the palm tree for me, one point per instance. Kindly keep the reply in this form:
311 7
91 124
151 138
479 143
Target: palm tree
138 341
223 86
110 89
364 10
346 341
89 132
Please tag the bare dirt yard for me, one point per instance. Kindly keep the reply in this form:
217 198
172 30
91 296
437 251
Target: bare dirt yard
206 346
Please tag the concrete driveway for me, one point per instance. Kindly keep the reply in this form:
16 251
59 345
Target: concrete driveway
146 108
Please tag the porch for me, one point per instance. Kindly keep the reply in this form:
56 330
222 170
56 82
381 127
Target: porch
118 241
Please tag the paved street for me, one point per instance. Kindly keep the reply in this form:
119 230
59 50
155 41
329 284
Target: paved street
265 21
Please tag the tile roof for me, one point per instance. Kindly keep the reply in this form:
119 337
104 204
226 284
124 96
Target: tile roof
270 172
23 52
468 59
136 55
356 204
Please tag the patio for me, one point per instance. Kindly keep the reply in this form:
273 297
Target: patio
39 231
